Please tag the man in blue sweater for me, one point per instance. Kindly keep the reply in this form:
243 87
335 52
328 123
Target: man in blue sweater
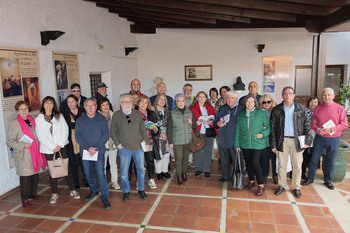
227 131
91 132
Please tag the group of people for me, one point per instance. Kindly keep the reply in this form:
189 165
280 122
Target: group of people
146 129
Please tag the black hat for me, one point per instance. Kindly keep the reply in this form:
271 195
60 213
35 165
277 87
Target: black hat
74 85
101 85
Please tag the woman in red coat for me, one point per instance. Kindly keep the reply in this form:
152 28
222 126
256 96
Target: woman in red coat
204 114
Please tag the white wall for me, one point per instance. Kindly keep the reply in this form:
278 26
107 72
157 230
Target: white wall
86 26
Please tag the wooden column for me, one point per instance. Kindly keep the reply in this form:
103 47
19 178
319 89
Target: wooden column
318 64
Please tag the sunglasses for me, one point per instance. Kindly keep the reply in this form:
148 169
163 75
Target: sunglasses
75 90
267 102
128 118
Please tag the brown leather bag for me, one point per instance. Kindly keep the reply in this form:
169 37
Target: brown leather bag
197 141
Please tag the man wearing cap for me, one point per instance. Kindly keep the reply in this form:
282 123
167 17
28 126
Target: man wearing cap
75 90
161 89
135 87
102 93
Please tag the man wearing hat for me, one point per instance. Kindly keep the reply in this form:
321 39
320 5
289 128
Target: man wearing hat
75 90
102 93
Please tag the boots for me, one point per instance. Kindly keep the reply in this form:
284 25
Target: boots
179 180
184 177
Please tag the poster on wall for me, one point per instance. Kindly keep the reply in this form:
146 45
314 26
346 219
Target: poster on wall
19 75
277 75
66 69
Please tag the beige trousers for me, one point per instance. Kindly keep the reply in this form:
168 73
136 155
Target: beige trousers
296 158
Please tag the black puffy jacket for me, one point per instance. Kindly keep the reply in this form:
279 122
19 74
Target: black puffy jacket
301 126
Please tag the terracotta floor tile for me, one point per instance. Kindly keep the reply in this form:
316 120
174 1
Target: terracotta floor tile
29 224
10 221
101 228
47 210
8 205
211 202
195 183
66 211
76 203
285 219
112 215
311 210
118 229
214 184
174 189
92 214
183 222
154 231
282 208
321 222
326 212
132 217
17 231
49 226
319 200
271 196
207 224
31 209
261 217
237 215
212 192
334 223
236 193
166 209
193 191
140 207
237 204
160 220
251 195
195 201
150 198
185 210
75 227
259 206
263 228
306 199
289 229
323 230
119 205
237 226
208 212
173 200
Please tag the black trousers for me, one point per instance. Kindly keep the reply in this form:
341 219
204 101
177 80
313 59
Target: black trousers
74 162
228 156
149 157
252 158
54 181
29 185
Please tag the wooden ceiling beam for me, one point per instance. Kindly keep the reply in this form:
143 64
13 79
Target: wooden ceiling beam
142 29
339 17
334 3
217 9
285 7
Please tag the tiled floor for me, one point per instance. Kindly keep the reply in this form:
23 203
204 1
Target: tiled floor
200 205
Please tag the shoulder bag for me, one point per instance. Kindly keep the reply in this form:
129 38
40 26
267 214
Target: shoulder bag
58 166
197 141
237 175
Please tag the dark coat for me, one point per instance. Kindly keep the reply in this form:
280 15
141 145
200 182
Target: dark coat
301 126
64 106
71 126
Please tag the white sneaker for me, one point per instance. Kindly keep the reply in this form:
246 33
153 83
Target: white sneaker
137 184
75 194
152 184
115 185
53 198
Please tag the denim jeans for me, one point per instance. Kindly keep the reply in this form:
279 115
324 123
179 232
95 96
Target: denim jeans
203 157
101 177
331 145
139 159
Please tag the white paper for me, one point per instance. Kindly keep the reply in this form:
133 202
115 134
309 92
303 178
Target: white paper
87 156
289 165
26 139
329 124
226 118
143 145
302 141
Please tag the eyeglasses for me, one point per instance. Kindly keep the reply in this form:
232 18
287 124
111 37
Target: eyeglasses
128 118
267 102
75 90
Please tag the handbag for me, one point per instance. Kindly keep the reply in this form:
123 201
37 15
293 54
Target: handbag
237 175
58 166
197 141
210 132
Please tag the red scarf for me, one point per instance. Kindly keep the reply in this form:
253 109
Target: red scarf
38 159
145 120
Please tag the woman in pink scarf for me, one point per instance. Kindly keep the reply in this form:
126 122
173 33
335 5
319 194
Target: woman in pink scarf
28 160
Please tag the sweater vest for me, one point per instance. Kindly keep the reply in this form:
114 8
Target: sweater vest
182 131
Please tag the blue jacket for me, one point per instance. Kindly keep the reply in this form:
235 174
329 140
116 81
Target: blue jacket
170 100
92 132
227 133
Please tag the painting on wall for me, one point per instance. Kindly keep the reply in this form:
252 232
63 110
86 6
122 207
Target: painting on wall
10 77
31 92
198 72
61 75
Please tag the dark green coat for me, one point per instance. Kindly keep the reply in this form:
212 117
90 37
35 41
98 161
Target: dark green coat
245 137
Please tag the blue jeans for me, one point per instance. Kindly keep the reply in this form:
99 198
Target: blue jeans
139 159
101 177
331 145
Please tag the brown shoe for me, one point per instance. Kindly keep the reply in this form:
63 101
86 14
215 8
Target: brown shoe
179 180
279 190
297 193
260 191
184 177
275 179
249 185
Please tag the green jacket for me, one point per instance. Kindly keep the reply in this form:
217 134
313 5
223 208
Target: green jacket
178 130
245 137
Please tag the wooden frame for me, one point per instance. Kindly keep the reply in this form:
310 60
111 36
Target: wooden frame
199 73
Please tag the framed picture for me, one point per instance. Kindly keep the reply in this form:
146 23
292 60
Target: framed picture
199 73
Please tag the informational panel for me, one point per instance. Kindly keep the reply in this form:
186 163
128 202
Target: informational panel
19 74
66 69
278 72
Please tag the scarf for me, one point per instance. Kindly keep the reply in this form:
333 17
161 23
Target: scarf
38 159
164 120
145 120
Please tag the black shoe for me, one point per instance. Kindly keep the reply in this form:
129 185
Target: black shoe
307 182
279 190
106 204
86 184
142 195
329 185
198 173
159 176
166 175
222 180
91 196
207 174
126 196
77 187
297 193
